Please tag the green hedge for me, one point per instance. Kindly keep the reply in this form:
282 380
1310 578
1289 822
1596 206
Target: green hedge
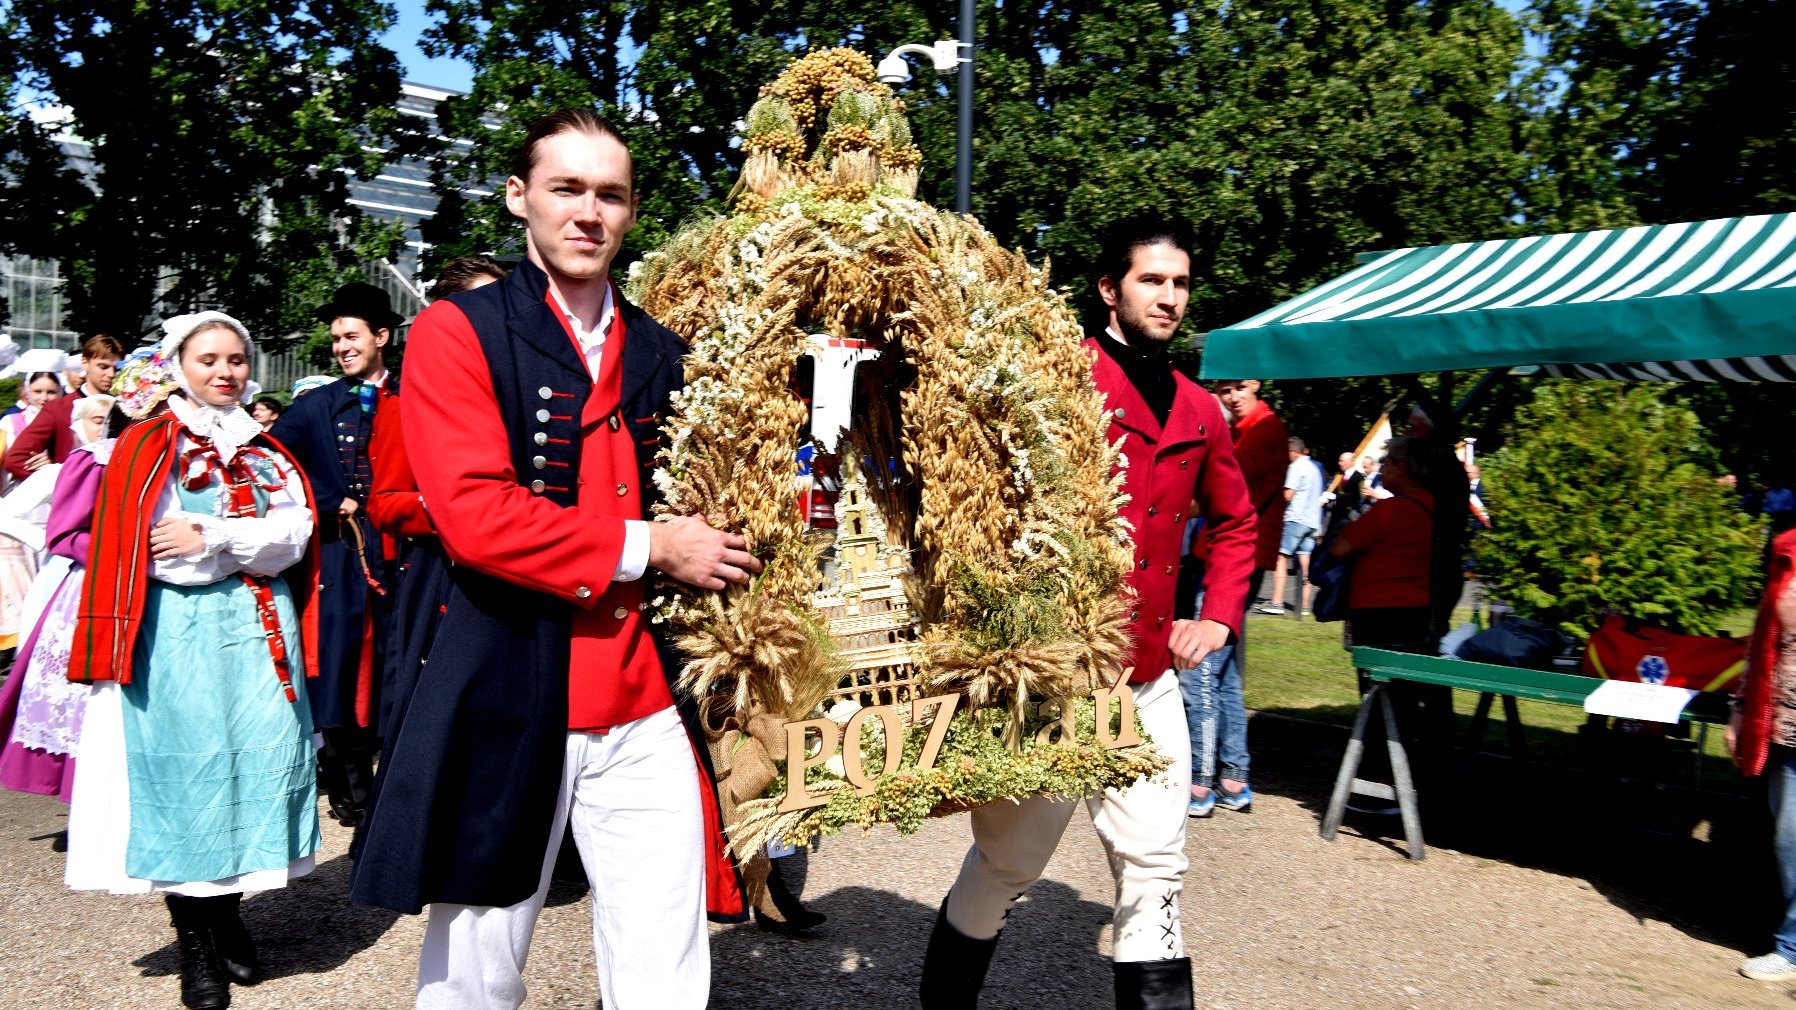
1605 496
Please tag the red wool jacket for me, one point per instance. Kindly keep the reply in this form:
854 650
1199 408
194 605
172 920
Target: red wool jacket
489 521
456 443
1165 468
395 505
48 432
1261 442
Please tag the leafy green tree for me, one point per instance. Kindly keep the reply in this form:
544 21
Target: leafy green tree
224 133
694 69
1293 135
1660 111
1602 499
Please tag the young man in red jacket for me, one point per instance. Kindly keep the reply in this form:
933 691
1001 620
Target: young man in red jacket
48 439
1176 449
531 418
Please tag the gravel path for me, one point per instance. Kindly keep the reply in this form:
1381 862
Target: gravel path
1519 904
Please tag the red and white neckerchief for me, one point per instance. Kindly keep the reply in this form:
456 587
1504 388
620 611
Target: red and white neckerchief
199 466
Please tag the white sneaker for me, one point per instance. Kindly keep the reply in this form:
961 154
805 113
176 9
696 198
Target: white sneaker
1270 609
1773 967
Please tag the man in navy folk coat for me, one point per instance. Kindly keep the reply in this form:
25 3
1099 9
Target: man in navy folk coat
327 431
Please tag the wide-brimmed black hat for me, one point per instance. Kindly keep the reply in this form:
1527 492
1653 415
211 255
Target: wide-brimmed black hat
363 301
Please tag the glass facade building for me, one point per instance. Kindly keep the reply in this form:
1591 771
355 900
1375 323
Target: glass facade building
402 192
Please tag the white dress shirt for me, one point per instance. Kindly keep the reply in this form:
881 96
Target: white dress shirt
635 557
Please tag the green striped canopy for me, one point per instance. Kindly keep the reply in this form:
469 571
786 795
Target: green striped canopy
1701 300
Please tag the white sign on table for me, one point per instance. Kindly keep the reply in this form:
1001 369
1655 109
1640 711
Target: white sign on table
1626 699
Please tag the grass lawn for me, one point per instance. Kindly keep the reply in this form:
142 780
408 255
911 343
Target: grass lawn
1298 669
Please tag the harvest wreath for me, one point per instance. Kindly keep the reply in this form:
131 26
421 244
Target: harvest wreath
949 569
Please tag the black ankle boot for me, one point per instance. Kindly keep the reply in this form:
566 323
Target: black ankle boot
794 917
1154 985
203 984
231 939
954 966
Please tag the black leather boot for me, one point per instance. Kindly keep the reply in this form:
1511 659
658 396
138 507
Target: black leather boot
231 939
954 966
203 984
793 918
1154 985
346 771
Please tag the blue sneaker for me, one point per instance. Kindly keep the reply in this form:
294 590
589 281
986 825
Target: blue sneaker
1241 802
1203 807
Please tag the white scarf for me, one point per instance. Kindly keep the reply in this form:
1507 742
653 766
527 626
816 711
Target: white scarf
227 428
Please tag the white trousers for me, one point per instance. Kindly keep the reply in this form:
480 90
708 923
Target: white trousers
1142 828
634 799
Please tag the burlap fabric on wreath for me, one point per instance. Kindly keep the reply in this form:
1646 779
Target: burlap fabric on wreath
977 549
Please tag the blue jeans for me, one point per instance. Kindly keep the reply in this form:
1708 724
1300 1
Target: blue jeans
1217 717
1780 780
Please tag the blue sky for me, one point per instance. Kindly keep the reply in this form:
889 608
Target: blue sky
421 69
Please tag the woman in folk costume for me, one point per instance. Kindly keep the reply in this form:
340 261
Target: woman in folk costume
41 368
43 382
195 778
19 559
40 709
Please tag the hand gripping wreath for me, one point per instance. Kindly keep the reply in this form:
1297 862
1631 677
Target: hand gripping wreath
945 576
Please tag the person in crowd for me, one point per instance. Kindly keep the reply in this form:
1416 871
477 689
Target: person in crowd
1436 430
23 512
266 410
1302 522
48 438
1389 604
1373 482
1761 735
1211 687
420 582
531 417
1387 595
1170 432
194 778
1260 443
1778 503
328 431
74 372
40 708
42 383
1261 447
465 273
1351 496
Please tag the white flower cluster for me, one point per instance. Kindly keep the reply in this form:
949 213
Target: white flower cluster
634 274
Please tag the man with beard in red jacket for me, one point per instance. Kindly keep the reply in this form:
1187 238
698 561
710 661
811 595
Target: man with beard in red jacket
1176 450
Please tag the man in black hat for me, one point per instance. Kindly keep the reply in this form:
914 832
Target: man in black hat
327 432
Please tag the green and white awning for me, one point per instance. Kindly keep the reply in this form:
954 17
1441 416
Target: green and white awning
1706 300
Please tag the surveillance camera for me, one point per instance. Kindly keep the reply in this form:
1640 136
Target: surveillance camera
893 70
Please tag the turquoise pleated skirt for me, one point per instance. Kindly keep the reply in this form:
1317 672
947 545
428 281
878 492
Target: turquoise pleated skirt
220 763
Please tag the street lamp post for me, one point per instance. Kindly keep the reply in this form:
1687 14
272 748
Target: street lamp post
947 57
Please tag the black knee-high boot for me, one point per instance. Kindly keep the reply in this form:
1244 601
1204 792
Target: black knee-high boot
954 966
1154 985
231 939
203 982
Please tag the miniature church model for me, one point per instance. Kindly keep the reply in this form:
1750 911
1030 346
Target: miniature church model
862 599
